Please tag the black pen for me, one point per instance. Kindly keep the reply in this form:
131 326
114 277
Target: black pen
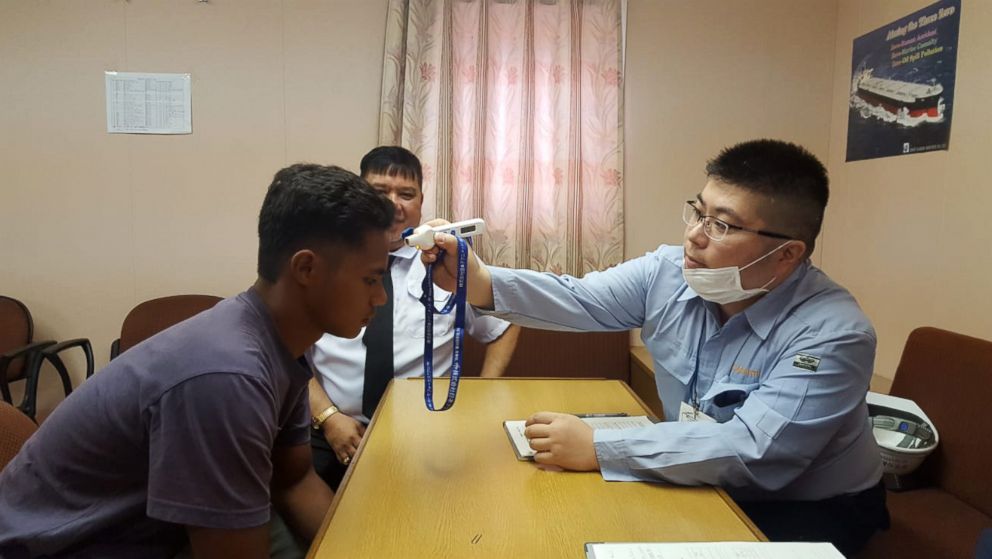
583 415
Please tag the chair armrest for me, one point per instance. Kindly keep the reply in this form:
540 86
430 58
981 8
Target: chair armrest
52 351
51 354
23 351
28 353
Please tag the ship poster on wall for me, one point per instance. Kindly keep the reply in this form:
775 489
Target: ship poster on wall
902 85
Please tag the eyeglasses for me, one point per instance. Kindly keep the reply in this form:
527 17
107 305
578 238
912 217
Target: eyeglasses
717 229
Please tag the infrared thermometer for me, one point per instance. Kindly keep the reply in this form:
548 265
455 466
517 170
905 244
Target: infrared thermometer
422 237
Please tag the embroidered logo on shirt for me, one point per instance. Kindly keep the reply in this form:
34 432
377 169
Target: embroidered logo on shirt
808 362
746 372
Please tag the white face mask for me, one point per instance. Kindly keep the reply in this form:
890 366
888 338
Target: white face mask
723 285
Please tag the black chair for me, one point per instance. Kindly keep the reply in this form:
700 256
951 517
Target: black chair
21 358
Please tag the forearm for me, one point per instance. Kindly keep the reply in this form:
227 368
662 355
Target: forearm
732 454
212 543
480 288
319 400
304 505
600 301
499 352
676 452
297 492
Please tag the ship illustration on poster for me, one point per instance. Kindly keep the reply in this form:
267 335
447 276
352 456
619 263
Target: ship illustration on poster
902 85
900 102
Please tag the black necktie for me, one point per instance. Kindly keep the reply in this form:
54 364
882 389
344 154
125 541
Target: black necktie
378 340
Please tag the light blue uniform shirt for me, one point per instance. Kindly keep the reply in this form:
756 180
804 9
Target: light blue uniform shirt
783 431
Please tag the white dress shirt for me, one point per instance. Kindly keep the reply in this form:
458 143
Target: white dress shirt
340 362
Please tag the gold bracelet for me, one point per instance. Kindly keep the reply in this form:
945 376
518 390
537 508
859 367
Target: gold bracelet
318 420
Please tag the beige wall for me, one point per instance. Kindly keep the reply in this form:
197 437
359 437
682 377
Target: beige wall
702 75
705 74
911 236
93 223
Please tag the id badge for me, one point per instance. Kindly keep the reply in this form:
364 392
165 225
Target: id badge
687 412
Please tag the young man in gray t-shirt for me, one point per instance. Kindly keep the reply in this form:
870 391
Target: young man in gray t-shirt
193 435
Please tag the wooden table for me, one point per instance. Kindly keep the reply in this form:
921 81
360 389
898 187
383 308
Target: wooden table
642 379
447 484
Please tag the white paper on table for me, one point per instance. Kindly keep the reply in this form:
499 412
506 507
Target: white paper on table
713 550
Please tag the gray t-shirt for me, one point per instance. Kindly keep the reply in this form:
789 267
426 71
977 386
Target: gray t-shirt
178 430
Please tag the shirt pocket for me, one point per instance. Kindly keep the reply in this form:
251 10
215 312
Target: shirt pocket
775 410
723 398
672 358
414 323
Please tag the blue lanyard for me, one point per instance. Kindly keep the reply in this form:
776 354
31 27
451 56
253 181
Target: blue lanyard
458 303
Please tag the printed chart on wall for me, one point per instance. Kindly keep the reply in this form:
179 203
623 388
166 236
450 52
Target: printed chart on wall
902 85
144 103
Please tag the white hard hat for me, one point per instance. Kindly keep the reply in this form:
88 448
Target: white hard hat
905 435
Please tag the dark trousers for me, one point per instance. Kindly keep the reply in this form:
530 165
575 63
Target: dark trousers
325 462
984 548
847 521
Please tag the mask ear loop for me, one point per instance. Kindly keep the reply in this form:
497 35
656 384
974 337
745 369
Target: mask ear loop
760 258
766 255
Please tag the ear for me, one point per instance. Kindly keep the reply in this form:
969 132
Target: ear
303 266
793 253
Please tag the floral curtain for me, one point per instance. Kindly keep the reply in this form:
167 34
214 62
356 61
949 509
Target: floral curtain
515 108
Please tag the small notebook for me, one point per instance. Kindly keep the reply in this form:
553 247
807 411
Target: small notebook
515 429
713 550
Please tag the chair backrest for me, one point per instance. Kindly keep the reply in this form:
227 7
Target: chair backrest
548 353
151 317
16 331
949 376
15 428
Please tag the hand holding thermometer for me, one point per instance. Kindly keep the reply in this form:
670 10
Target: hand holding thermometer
422 237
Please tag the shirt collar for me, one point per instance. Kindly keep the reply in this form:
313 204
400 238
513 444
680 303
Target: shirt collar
290 363
687 294
405 252
767 311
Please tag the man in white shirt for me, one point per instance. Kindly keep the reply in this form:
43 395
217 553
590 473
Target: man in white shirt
341 399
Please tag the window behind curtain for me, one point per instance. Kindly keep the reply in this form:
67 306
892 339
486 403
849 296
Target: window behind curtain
516 111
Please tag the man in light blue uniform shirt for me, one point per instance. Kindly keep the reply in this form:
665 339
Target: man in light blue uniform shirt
762 362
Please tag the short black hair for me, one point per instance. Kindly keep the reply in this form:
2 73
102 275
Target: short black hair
309 203
393 161
791 178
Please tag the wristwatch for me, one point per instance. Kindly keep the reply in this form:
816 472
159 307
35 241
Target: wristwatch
318 420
